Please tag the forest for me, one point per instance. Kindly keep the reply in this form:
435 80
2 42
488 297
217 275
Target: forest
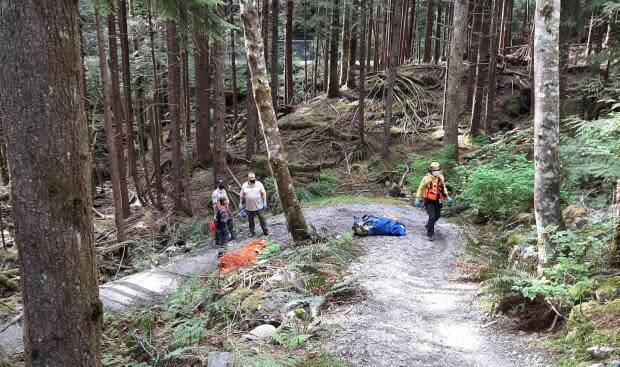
436 183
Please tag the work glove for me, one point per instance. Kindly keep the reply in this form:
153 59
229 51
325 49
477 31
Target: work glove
264 207
449 201
417 203
242 213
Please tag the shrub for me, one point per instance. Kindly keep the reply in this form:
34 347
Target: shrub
498 189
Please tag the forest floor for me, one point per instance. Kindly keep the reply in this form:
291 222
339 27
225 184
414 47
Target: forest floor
414 311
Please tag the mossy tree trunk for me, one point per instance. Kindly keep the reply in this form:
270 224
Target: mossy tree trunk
546 124
219 104
42 96
346 44
275 150
275 9
482 70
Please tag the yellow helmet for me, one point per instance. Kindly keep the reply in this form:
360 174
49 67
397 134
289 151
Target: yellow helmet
434 166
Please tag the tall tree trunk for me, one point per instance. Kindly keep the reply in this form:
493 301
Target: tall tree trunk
369 28
389 99
156 117
251 126
346 44
129 113
117 109
305 29
4 167
361 110
333 85
482 71
453 105
475 9
437 49
288 54
315 65
375 63
174 102
567 15
203 100
411 31
505 31
353 48
615 245
265 31
546 123
487 117
275 150
156 154
233 65
110 132
428 31
325 61
219 103
275 8
42 94
184 95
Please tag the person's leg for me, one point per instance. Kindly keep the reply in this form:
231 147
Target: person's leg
229 224
251 222
431 209
263 222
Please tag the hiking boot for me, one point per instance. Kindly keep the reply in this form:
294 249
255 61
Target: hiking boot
265 233
220 253
252 234
431 238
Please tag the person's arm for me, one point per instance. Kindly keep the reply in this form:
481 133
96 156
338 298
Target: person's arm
214 199
263 194
242 196
423 184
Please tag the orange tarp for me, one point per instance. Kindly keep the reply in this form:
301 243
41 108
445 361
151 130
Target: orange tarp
244 257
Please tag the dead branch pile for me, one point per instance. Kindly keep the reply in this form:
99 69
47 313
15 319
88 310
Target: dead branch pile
416 101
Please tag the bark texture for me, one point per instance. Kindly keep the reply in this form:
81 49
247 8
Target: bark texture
482 72
127 97
174 102
42 97
428 31
333 85
117 110
219 104
275 150
275 8
546 123
288 54
454 105
487 117
389 99
203 100
361 110
346 44
106 91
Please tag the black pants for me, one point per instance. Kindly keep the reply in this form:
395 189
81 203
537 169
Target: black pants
433 208
261 219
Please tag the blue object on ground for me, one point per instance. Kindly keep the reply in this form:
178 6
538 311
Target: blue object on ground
387 227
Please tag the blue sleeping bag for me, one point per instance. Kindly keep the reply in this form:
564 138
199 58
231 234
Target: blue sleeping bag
387 227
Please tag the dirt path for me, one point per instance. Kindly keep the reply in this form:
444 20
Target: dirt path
414 314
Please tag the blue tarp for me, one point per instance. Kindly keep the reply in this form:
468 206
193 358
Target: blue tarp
387 227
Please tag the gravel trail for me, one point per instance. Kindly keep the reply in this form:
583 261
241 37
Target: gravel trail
414 314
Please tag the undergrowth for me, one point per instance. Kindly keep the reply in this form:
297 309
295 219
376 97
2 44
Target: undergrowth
287 288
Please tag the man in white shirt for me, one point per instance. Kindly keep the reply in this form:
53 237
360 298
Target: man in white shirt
254 197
